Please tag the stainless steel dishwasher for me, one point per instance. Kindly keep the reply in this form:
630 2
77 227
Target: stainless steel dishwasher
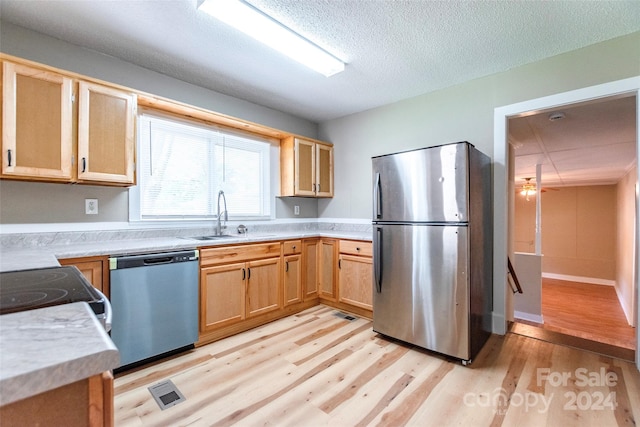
154 299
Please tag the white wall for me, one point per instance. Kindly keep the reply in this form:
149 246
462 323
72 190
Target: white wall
460 113
625 250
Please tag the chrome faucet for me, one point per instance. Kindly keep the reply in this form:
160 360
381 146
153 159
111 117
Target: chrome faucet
219 226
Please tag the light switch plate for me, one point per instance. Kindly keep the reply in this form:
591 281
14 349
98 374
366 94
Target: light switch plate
296 210
91 206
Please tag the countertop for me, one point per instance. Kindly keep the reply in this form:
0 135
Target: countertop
47 256
50 347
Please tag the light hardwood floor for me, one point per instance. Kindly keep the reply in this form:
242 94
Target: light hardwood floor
586 311
317 369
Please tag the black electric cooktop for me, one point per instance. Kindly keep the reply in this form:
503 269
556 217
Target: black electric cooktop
45 287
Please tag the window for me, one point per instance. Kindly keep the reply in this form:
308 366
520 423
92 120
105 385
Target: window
183 166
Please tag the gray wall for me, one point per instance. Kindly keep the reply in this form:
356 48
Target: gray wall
27 202
460 113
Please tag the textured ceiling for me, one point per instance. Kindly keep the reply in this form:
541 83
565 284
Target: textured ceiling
394 49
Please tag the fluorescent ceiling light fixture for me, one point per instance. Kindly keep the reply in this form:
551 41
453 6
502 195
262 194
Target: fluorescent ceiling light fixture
265 29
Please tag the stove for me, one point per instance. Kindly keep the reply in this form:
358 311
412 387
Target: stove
45 287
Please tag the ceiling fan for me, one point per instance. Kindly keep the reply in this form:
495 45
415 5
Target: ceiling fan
528 188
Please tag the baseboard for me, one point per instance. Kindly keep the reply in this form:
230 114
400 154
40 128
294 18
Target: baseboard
590 280
536 318
627 315
498 324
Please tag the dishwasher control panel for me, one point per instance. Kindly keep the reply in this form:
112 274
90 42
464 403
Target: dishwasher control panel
145 260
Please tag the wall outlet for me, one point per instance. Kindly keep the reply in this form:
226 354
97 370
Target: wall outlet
296 210
91 206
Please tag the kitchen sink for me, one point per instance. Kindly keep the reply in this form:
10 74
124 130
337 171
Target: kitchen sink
212 237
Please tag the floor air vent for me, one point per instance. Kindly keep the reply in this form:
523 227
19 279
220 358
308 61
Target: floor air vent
166 394
344 316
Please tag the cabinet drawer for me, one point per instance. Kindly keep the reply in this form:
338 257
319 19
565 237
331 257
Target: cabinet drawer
292 247
213 256
356 247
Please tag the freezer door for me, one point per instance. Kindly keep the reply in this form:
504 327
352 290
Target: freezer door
430 185
421 292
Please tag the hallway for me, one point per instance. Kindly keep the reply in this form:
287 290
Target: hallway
582 310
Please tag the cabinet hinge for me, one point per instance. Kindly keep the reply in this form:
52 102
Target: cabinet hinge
73 97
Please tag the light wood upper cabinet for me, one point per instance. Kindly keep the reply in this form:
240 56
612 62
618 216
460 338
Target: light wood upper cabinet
46 137
37 124
106 129
306 168
324 170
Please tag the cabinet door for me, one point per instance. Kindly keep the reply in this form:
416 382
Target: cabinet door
327 270
310 269
94 269
292 279
222 295
263 286
304 166
106 140
324 170
355 281
36 124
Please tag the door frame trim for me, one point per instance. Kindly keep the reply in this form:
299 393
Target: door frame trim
501 116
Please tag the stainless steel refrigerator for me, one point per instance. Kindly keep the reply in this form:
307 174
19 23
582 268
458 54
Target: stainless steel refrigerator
432 240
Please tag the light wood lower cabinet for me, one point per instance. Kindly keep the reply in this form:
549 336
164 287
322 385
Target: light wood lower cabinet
94 269
87 402
238 283
355 277
292 272
346 275
310 249
244 286
263 286
355 274
222 296
327 269
292 279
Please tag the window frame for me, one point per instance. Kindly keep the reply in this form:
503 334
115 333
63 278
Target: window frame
272 180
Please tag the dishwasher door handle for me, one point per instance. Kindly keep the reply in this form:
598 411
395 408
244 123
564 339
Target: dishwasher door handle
156 261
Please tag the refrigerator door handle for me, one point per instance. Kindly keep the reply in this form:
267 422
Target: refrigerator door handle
377 197
377 261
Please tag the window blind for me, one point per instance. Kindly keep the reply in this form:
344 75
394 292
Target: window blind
182 167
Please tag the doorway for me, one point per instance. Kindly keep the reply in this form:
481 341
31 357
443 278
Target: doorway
503 308
573 208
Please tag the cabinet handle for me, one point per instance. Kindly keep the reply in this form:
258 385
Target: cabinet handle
340 264
358 249
294 247
244 274
318 188
286 266
248 274
84 164
9 157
